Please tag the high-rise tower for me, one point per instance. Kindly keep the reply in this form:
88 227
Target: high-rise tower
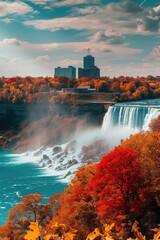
89 69
88 61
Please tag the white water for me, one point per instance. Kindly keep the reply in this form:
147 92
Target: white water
119 122
86 147
133 117
152 114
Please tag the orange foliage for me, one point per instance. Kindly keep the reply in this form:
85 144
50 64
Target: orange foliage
155 124
39 89
124 186
148 147
34 231
29 210
76 208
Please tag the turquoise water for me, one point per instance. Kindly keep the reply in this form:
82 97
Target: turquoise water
18 179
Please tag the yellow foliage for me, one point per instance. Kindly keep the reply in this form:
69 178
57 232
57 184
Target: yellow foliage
106 235
108 228
57 230
136 232
34 232
94 234
70 234
157 234
139 235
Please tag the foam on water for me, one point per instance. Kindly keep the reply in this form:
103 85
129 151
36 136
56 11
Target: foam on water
119 122
71 156
45 170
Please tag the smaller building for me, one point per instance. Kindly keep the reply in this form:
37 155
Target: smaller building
80 89
69 72
92 72
82 72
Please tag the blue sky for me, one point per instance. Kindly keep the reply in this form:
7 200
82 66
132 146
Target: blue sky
38 35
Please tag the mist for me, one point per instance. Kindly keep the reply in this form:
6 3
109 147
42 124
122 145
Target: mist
86 144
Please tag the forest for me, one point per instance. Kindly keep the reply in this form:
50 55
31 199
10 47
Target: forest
116 199
45 90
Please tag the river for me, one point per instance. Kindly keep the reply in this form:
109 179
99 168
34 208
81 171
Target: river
21 174
18 178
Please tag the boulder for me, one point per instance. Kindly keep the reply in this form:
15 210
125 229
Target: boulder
45 157
68 174
49 162
59 155
72 162
57 149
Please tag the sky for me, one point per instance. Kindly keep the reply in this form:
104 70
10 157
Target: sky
38 35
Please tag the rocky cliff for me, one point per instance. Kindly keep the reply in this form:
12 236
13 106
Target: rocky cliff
30 126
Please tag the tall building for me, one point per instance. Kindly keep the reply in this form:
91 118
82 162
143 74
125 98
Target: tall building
88 61
89 69
69 72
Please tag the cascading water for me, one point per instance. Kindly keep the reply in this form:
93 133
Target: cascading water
131 116
59 163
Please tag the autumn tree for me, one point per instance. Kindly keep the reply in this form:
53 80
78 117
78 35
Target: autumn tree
155 124
76 207
147 145
30 209
102 86
38 89
118 186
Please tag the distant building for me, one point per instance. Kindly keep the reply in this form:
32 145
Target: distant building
89 70
92 72
69 72
82 72
80 89
88 61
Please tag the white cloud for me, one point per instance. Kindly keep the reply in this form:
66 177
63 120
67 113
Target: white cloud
16 7
43 64
15 60
80 47
7 20
76 2
10 42
69 62
87 10
110 37
64 23
3 58
126 17
148 24
43 58
13 42
46 46
55 3
100 47
132 69
155 54
157 9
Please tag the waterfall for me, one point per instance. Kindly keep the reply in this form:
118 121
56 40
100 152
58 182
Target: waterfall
131 116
